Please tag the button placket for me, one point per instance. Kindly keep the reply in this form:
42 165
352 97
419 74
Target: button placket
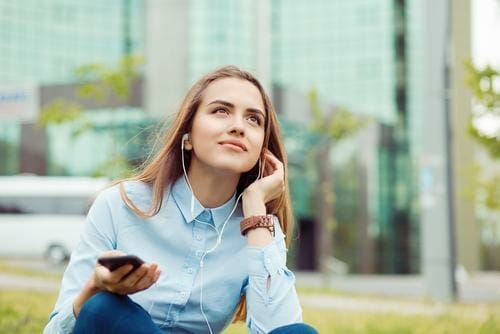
191 263
172 318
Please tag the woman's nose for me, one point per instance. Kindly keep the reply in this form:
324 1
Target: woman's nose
238 125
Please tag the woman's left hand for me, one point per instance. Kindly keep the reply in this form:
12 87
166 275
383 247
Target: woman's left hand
272 183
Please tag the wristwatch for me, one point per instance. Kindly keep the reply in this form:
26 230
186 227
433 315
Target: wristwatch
257 221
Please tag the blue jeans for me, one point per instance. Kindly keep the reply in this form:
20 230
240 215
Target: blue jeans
112 314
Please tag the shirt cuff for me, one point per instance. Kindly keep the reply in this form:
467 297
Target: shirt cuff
66 319
265 261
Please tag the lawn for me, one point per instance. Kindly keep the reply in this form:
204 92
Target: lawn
26 312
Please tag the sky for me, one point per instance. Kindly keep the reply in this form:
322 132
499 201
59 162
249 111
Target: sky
486 32
486 48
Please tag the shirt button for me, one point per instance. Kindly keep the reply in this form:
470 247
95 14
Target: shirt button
199 253
183 294
198 237
190 270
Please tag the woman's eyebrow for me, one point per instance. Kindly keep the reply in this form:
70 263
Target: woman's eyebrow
230 105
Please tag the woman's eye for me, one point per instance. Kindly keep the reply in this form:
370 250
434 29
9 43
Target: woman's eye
254 119
220 111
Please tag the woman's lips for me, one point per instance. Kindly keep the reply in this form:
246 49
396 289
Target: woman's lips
233 147
233 144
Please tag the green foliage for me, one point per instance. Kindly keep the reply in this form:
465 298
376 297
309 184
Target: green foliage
59 111
489 195
331 128
482 84
486 94
491 144
100 83
116 167
316 111
336 125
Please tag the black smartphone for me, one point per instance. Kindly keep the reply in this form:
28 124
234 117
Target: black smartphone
116 261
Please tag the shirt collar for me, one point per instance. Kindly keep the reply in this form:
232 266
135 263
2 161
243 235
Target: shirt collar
182 196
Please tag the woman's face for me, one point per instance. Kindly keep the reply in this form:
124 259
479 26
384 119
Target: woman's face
228 128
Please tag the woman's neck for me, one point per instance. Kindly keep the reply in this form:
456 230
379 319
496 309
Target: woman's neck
212 189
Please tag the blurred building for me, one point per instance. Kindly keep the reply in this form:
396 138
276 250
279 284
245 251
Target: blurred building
42 43
362 55
355 53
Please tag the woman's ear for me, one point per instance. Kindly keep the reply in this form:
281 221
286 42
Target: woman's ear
187 143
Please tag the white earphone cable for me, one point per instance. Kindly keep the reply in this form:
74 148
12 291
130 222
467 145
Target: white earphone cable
185 137
219 235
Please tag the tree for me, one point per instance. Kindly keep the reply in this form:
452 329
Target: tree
100 83
330 128
486 92
484 85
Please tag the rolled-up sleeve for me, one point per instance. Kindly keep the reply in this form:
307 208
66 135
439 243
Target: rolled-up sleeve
272 300
98 235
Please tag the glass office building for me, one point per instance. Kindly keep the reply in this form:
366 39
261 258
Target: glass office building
220 32
353 52
344 49
43 42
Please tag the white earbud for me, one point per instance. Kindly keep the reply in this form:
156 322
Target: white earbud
184 138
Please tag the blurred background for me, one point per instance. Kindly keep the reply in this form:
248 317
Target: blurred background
389 111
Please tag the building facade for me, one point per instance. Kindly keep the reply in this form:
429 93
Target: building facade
360 55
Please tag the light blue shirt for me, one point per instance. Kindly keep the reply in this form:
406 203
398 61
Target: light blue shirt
177 241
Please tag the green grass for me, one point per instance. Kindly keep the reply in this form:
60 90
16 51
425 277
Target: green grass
27 312
333 321
8 268
24 312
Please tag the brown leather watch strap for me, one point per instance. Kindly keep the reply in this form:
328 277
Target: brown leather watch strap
257 221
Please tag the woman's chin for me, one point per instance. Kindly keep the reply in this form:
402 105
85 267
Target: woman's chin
232 169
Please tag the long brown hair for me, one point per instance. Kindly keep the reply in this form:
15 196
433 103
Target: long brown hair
165 167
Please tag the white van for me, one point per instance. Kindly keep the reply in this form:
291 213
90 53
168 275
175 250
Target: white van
43 215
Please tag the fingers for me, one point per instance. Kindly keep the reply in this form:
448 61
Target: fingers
271 160
138 280
273 165
126 280
134 277
274 174
149 278
113 277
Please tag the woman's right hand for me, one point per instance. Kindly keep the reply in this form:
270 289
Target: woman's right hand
124 281
117 281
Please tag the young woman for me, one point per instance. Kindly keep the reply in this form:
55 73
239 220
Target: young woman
209 257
